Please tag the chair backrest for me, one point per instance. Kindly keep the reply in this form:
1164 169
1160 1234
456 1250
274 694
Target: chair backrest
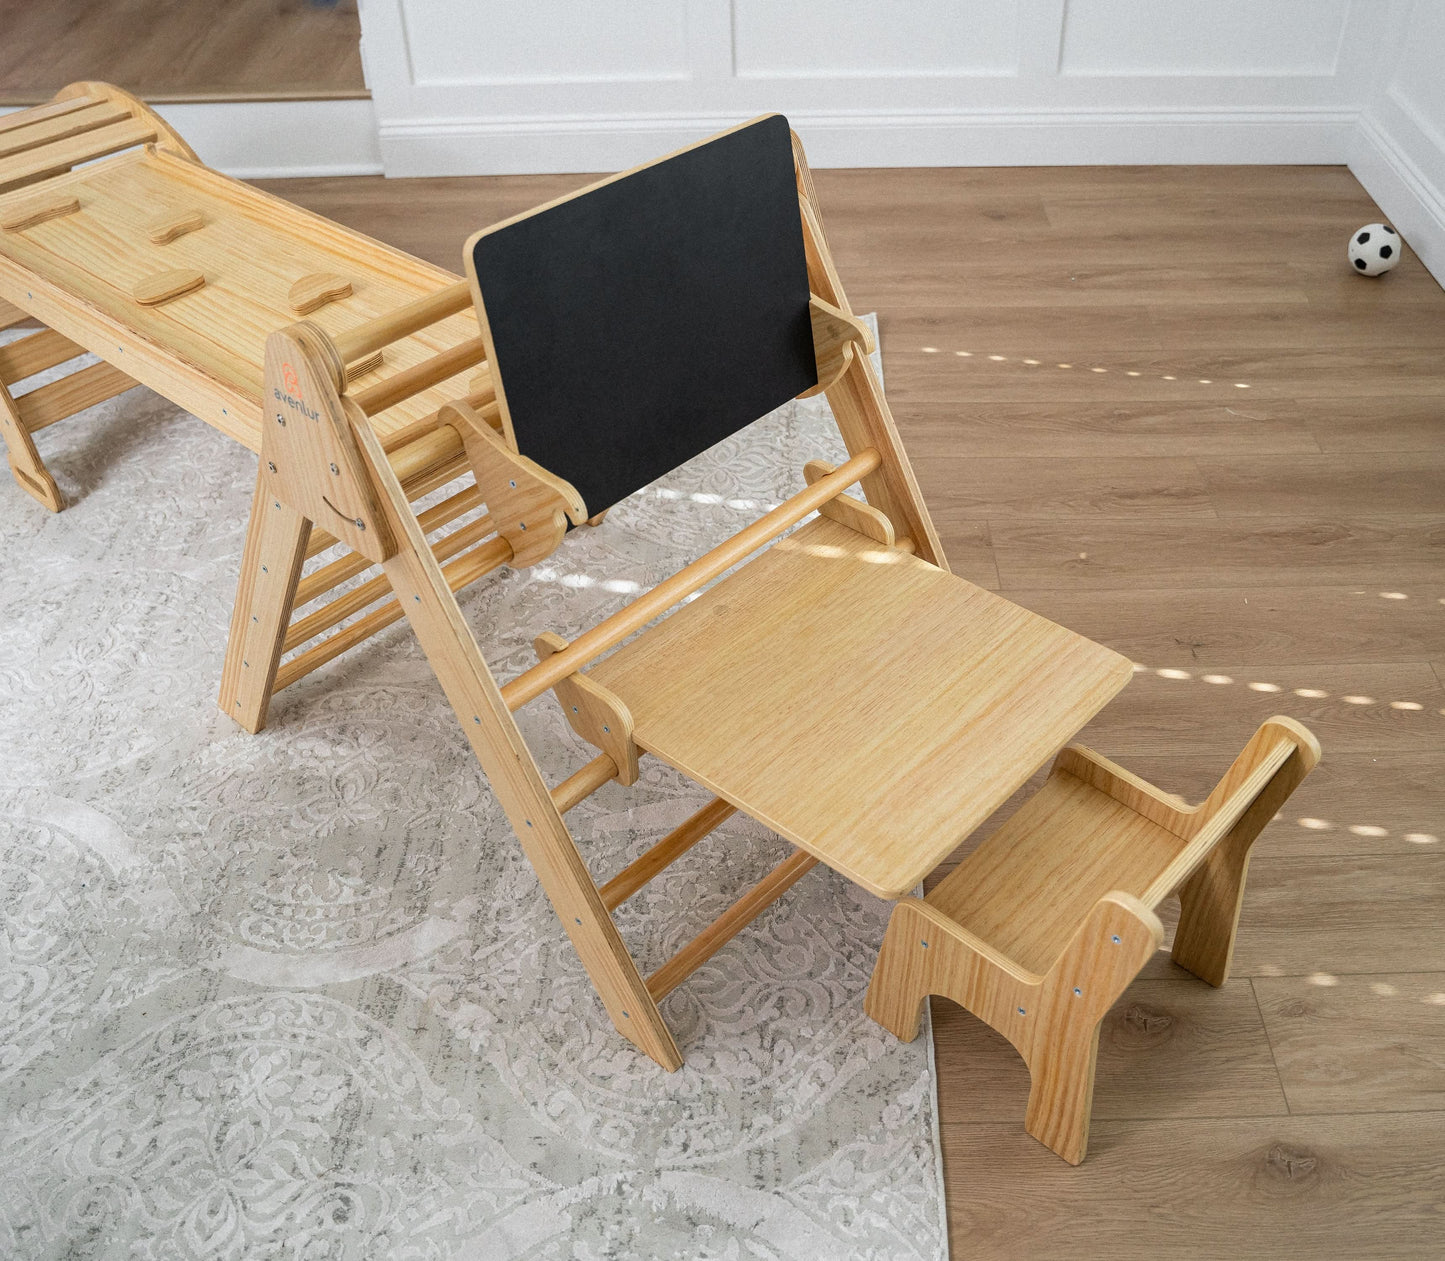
641 320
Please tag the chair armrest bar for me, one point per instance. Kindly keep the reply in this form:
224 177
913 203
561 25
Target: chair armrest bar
531 684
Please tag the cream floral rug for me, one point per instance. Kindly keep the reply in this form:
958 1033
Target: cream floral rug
299 994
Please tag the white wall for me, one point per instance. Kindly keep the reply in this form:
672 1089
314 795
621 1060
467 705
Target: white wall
477 86
1399 150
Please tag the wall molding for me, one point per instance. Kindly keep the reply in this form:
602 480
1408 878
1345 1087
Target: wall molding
1004 137
1411 201
277 139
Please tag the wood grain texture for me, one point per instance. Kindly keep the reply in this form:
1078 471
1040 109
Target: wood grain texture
827 626
1350 1184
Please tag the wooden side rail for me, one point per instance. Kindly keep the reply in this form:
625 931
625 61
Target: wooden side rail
531 684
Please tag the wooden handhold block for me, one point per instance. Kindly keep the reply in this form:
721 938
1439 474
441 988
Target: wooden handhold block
37 210
166 285
367 363
312 292
164 229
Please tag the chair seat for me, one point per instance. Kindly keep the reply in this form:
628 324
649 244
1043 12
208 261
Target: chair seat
1029 886
910 702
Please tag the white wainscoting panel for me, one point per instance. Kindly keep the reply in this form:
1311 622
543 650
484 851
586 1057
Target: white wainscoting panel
789 39
1203 37
484 86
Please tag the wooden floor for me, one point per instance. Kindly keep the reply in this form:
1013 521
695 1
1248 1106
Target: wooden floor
1154 405
166 50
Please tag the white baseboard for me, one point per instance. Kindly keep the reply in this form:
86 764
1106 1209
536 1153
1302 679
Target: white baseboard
957 138
1412 203
261 139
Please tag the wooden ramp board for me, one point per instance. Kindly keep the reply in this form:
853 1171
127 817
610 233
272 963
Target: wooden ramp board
681 288
251 248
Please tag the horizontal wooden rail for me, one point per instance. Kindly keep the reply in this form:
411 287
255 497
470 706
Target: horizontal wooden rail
421 376
580 785
482 397
39 113
352 344
666 852
29 355
730 923
49 403
338 571
59 157
353 601
531 684
74 123
465 569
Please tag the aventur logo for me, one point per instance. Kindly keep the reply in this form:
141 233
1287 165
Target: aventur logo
295 404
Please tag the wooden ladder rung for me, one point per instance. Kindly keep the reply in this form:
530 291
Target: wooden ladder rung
666 852
29 355
338 571
730 923
467 568
422 376
581 784
92 385
39 113
353 601
62 127
59 157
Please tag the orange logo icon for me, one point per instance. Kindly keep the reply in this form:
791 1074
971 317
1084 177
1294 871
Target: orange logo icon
293 383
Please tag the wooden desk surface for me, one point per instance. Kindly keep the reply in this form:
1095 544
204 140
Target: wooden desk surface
205 349
869 707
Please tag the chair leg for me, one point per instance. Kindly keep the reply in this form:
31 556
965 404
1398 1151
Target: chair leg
1106 953
1210 900
276 538
901 978
26 466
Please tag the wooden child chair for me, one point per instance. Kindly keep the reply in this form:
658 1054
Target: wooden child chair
1043 926
843 688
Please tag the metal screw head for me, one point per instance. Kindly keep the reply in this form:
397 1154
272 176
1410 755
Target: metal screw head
1116 939
336 470
281 420
523 524
271 464
360 524
513 485
1078 993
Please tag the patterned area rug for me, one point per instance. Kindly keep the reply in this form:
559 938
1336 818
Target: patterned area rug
299 994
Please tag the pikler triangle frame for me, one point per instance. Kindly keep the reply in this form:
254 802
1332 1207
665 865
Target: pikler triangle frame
843 687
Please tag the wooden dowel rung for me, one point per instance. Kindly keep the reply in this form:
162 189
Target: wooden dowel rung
353 601
39 113
730 923
666 852
428 451
29 355
421 376
374 334
482 400
422 481
59 157
465 569
581 784
92 385
338 571
532 683
73 123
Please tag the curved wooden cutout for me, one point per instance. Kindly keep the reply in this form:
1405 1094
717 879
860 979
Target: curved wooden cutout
37 210
164 286
165 228
314 291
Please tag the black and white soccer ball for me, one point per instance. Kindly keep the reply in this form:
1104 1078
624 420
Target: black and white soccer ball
1375 249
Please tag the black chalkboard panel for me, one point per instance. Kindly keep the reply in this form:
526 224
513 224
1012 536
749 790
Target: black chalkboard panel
645 319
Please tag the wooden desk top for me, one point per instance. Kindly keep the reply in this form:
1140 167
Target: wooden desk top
205 349
867 706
